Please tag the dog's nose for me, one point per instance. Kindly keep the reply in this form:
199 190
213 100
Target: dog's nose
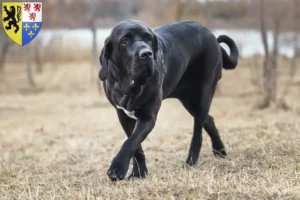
145 53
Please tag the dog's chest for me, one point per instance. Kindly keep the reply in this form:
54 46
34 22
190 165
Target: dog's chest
130 114
126 105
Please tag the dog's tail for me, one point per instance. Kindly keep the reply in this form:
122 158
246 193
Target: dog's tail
229 62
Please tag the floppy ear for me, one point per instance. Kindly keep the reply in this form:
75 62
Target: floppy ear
158 56
104 57
155 46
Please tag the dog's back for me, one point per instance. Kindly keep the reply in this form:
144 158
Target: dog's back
186 39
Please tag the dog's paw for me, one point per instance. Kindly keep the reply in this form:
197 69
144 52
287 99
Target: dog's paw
138 172
192 159
221 153
117 171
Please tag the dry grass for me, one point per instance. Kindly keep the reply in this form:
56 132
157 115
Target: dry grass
57 143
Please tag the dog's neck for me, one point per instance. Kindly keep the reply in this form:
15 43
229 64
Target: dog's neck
126 98
128 103
129 100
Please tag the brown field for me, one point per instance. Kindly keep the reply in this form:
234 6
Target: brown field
57 142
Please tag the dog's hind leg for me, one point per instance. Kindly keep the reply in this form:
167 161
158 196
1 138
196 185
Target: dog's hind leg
211 129
217 144
197 102
139 162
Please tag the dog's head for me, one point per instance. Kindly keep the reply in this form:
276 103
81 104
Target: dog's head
132 51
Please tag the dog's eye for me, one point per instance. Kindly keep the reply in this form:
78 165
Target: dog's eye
124 41
148 39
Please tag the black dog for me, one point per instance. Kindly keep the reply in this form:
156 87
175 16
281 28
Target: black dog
141 67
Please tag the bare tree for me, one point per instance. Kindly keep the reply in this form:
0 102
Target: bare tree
4 48
208 13
92 26
29 70
3 53
255 72
178 10
293 64
266 69
37 54
270 63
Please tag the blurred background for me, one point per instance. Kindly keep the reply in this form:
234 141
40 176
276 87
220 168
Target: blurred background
266 32
74 31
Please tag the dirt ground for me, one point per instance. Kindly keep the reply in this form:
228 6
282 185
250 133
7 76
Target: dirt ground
58 141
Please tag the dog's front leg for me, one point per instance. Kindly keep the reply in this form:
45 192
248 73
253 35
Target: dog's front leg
119 165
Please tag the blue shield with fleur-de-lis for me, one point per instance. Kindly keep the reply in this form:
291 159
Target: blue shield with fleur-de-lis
22 21
31 21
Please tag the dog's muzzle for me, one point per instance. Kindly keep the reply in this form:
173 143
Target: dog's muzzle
143 66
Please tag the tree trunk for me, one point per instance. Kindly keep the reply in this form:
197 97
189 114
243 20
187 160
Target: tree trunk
38 57
293 65
178 10
29 66
4 51
274 65
267 77
256 74
95 65
208 13
94 52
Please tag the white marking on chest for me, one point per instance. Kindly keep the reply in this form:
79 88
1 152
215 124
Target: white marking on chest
128 113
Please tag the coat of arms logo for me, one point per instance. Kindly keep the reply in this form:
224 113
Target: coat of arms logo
22 21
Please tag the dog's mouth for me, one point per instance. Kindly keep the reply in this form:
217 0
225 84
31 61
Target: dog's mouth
142 70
